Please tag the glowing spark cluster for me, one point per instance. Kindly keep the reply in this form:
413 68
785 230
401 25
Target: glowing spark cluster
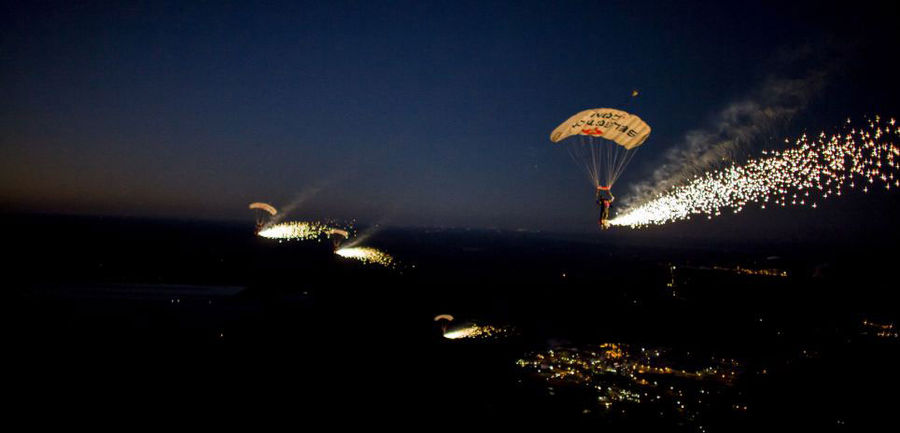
815 168
367 255
473 330
296 230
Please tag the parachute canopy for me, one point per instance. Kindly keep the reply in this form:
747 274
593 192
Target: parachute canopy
446 317
603 141
265 207
340 232
627 130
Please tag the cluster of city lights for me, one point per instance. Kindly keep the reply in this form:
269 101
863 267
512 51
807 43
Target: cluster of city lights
622 376
815 168
882 330
766 272
367 255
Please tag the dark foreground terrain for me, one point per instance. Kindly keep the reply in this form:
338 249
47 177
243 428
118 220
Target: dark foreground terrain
133 322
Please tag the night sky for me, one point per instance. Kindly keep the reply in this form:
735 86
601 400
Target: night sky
401 113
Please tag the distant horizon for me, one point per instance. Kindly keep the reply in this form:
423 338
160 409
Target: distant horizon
417 114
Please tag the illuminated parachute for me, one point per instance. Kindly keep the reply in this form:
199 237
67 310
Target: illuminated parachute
338 236
263 212
265 207
602 141
339 232
445 320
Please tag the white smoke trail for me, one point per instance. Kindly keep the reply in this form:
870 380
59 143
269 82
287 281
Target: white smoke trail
731 131
299 200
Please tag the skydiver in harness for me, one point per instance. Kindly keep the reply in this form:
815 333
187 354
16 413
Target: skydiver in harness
604 200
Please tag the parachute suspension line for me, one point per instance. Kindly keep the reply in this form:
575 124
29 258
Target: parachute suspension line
613 172
595 161
602 161
611 151
588 163
614 164
609 154
579 155
628 155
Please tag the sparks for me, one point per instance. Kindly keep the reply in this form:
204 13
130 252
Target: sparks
367 255
297 230
817 167
474 330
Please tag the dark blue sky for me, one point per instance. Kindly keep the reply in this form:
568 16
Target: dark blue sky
407 113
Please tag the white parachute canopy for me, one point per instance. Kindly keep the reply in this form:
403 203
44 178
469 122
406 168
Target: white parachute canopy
603 141
264 207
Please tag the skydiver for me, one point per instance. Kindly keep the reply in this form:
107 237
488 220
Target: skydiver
604 200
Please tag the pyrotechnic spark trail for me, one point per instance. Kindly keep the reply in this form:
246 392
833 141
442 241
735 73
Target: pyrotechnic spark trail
474 330
297 230
815 168
367 255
